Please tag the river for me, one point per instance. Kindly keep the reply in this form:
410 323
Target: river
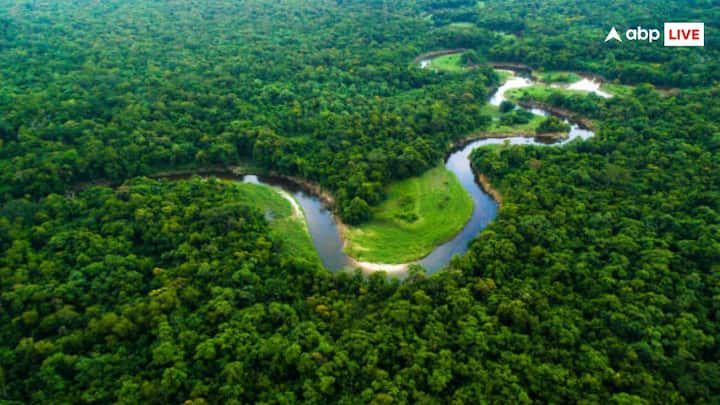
324 228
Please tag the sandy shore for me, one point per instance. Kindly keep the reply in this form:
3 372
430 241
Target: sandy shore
373 267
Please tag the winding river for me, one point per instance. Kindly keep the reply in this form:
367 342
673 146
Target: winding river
325 231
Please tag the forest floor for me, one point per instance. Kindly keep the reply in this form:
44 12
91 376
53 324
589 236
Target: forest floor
418 214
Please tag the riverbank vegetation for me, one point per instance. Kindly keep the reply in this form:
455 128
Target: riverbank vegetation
567 36
588 105
558 77
599 273
509 120
286 220
597 282
607 225
541 91
552 124
516 122
82 105
617 89
418 214
447 63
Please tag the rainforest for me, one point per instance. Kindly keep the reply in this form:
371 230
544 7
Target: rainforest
357 201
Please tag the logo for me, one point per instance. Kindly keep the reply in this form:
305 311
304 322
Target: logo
675 34
684 34
642 34
613 34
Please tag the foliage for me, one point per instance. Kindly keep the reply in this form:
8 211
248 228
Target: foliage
558 77
506 106
516 122
552 124
126 293
418 214
471 58
357 212
285 223
314 89
589 240
516 117
587 104
597 283
567 35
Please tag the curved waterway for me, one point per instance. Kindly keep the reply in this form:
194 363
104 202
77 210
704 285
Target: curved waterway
321 222
324 228
484 207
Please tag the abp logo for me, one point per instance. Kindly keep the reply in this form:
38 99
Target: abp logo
684 34
676 34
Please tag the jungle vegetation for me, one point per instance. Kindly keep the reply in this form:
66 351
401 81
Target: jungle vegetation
597 283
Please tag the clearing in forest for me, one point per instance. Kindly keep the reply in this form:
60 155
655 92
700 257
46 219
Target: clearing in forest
418 214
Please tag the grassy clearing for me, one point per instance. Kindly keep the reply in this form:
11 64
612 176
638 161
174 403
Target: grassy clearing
538 92
419 214
559 77
288 227
447 63
504 75
570 77
543 91
520 129
461 25
617 89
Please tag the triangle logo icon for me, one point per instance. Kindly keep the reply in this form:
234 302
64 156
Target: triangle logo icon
613 34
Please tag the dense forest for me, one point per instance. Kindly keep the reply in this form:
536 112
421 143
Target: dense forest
568 34
598 282
339 104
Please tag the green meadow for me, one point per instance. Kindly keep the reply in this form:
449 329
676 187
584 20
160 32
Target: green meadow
418 214
558 77
538 92
497 127
447 63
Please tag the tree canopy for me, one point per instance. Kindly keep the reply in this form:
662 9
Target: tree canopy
597 283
